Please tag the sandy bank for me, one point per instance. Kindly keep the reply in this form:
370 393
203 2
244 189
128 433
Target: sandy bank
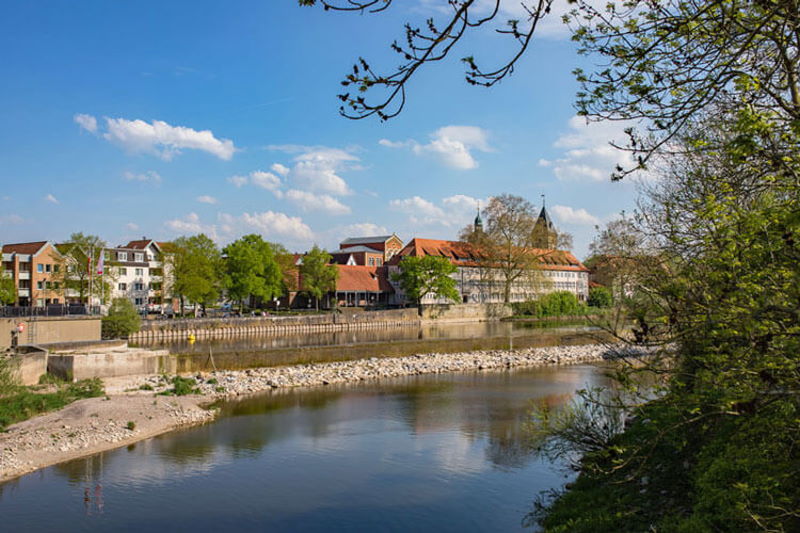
99 424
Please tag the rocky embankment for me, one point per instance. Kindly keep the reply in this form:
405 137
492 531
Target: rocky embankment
133 410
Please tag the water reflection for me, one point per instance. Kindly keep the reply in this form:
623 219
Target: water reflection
442 452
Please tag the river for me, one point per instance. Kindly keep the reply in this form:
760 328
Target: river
441 452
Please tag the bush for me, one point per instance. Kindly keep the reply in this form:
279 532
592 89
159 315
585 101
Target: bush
559 303
181 387
122 319
600 297
24 403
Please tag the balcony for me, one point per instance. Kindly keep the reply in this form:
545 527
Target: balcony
24 293
24 275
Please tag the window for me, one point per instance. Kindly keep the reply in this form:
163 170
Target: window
47 268
123 271
56 286
139 272
138 258
371 261
39 302
40 285
40 268
139 301
138 286
122 256
123 286
56 268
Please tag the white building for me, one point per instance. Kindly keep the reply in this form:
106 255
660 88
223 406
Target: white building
140 274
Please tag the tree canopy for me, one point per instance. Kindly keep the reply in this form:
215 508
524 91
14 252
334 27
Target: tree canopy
421 276
317 274
252 269
197 269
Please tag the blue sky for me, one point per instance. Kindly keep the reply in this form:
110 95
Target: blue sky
161 119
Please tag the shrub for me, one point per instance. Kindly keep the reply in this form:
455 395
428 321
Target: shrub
131 425
122 319
181 387
600 297
559 303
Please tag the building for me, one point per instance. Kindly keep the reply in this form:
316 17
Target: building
479 282
363 286
35 268
367 251
139 274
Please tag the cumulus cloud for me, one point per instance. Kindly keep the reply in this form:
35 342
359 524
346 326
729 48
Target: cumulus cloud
587 152
164 140
265 180
86 122
191 224
452 212
131 226
238 181
278 224
569 215
52 199
451 145
277 168
308 201
206 199
150 176
317 168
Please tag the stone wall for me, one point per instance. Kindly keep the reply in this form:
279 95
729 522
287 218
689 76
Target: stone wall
276 325
465 312
50 330
112 363
29 367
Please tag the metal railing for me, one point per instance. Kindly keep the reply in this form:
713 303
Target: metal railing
50 310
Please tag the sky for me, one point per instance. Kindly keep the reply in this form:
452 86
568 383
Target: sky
162 119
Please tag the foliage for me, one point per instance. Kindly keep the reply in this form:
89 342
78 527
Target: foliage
252 270
131 425
318 274
197 269
600 297
421 276
558 303
77 270
181 387
8 289
507 244
21 403
122 319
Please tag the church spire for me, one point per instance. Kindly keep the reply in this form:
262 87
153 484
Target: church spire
478 221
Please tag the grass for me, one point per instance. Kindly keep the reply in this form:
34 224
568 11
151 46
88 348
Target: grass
21 403
181 387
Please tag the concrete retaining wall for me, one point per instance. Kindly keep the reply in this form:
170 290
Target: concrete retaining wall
29 367
465 312
217 328
48 330
75 367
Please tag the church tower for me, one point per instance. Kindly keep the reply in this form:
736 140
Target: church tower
478 225
544 232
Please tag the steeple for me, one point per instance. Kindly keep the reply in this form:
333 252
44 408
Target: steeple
478 221
545 234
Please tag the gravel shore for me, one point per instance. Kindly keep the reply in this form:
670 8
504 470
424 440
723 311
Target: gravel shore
129 414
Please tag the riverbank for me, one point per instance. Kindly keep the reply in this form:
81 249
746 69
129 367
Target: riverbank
133 410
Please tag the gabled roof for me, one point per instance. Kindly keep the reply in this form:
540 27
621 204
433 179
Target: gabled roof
358 278
142 244
24 247
544 218
465 254
358 249
368 240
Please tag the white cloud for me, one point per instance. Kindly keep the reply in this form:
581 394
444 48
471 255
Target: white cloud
130 226
451 145
313 202
265 180
191 224
453 212
569 215
11 220
271 223
150 176
164 140
277 168
52 199
363 229
588 154
238 181
86 122
206 199
317 168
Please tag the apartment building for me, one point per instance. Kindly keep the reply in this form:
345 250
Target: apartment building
35 268
139 273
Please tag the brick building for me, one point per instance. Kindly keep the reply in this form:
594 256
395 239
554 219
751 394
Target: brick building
35 268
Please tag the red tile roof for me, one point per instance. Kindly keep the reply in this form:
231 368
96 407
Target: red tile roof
363 279
23 247
464 254
138 245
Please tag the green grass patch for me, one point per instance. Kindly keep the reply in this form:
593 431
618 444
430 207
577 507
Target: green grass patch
22 403
181 387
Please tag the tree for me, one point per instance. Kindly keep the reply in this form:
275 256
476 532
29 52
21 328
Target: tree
506 245
122 319
600 297
421 276
8 290
252 270
197 270
78 269
317 274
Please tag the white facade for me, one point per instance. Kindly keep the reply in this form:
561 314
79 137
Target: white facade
139 273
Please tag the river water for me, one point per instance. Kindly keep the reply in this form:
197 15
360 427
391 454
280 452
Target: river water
421 453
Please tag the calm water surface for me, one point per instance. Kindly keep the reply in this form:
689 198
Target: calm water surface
422 453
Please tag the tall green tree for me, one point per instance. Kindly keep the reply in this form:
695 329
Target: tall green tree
78 268
252 269
197 270
8 290
421 276
317 273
